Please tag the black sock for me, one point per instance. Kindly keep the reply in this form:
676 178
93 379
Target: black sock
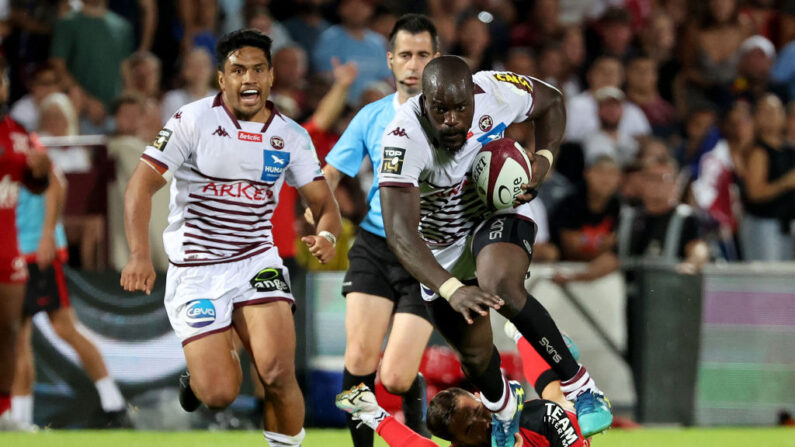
362 436
543 380
490 382
538 327
414 406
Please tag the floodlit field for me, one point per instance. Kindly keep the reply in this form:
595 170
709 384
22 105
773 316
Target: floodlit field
744 437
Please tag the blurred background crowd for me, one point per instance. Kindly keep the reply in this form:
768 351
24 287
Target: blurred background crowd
669 102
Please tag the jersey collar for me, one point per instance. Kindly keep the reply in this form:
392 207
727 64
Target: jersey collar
219 102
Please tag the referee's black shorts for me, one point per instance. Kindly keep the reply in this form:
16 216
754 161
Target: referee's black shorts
375 270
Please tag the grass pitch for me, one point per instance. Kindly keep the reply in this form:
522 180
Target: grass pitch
750 437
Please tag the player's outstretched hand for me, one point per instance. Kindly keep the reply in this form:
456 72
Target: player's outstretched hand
470 299
540 167
138 274
320 248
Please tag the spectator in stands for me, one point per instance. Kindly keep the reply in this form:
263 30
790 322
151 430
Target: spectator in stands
259 18
769 197
573 46
663 228
701 135
604 72
141 73
473 43
586 226
142 16
544 250
196 76
784 69
642 91
307 24
757 55
710 51
720 170
289 75
791 123
43 82
125 147
610 139
352 41
541 26
552 67
521 60
658 41
615 34
197 18
383 21
88 48
86 232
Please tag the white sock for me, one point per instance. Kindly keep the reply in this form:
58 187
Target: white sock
505 406
578 384
281 440
109 395
22 408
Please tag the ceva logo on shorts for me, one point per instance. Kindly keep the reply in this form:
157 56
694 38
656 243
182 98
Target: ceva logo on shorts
200 313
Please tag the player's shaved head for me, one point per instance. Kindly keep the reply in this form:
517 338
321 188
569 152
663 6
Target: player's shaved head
447 72
449 101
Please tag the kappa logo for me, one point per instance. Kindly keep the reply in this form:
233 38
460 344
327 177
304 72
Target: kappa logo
221 132
485 122
393 160
399 132
162 139
178 115
200 313
277 143
248 136
270 280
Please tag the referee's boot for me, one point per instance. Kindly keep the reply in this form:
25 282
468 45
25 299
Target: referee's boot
187 399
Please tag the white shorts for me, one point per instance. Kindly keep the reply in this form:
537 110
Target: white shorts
200 300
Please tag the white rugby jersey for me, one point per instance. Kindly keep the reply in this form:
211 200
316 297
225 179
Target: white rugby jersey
227 177
449 204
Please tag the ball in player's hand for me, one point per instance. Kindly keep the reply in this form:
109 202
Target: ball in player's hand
499 171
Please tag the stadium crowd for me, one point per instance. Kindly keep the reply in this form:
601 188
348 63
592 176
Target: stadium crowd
706 86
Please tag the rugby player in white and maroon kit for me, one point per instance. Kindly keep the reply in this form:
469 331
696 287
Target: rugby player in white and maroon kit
229 156
443 233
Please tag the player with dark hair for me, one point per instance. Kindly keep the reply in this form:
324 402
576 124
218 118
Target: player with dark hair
443 233
229 156
377 288
458 416
21 162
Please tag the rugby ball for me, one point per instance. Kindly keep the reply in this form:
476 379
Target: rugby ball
499 170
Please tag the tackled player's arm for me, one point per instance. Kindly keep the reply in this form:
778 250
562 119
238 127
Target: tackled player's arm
400 207
320 200
139 273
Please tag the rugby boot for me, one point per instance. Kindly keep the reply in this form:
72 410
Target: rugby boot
187 399
593 412
502 431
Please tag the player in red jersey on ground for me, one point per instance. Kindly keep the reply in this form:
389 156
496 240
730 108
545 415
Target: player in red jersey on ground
20 163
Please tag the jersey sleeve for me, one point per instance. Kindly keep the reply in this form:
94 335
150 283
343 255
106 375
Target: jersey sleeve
404 153
173 144
515 90
350 150
304 166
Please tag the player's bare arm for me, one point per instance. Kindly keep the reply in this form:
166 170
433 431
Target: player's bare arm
333 177
328 223
139 273
401 211
54 198
549 116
